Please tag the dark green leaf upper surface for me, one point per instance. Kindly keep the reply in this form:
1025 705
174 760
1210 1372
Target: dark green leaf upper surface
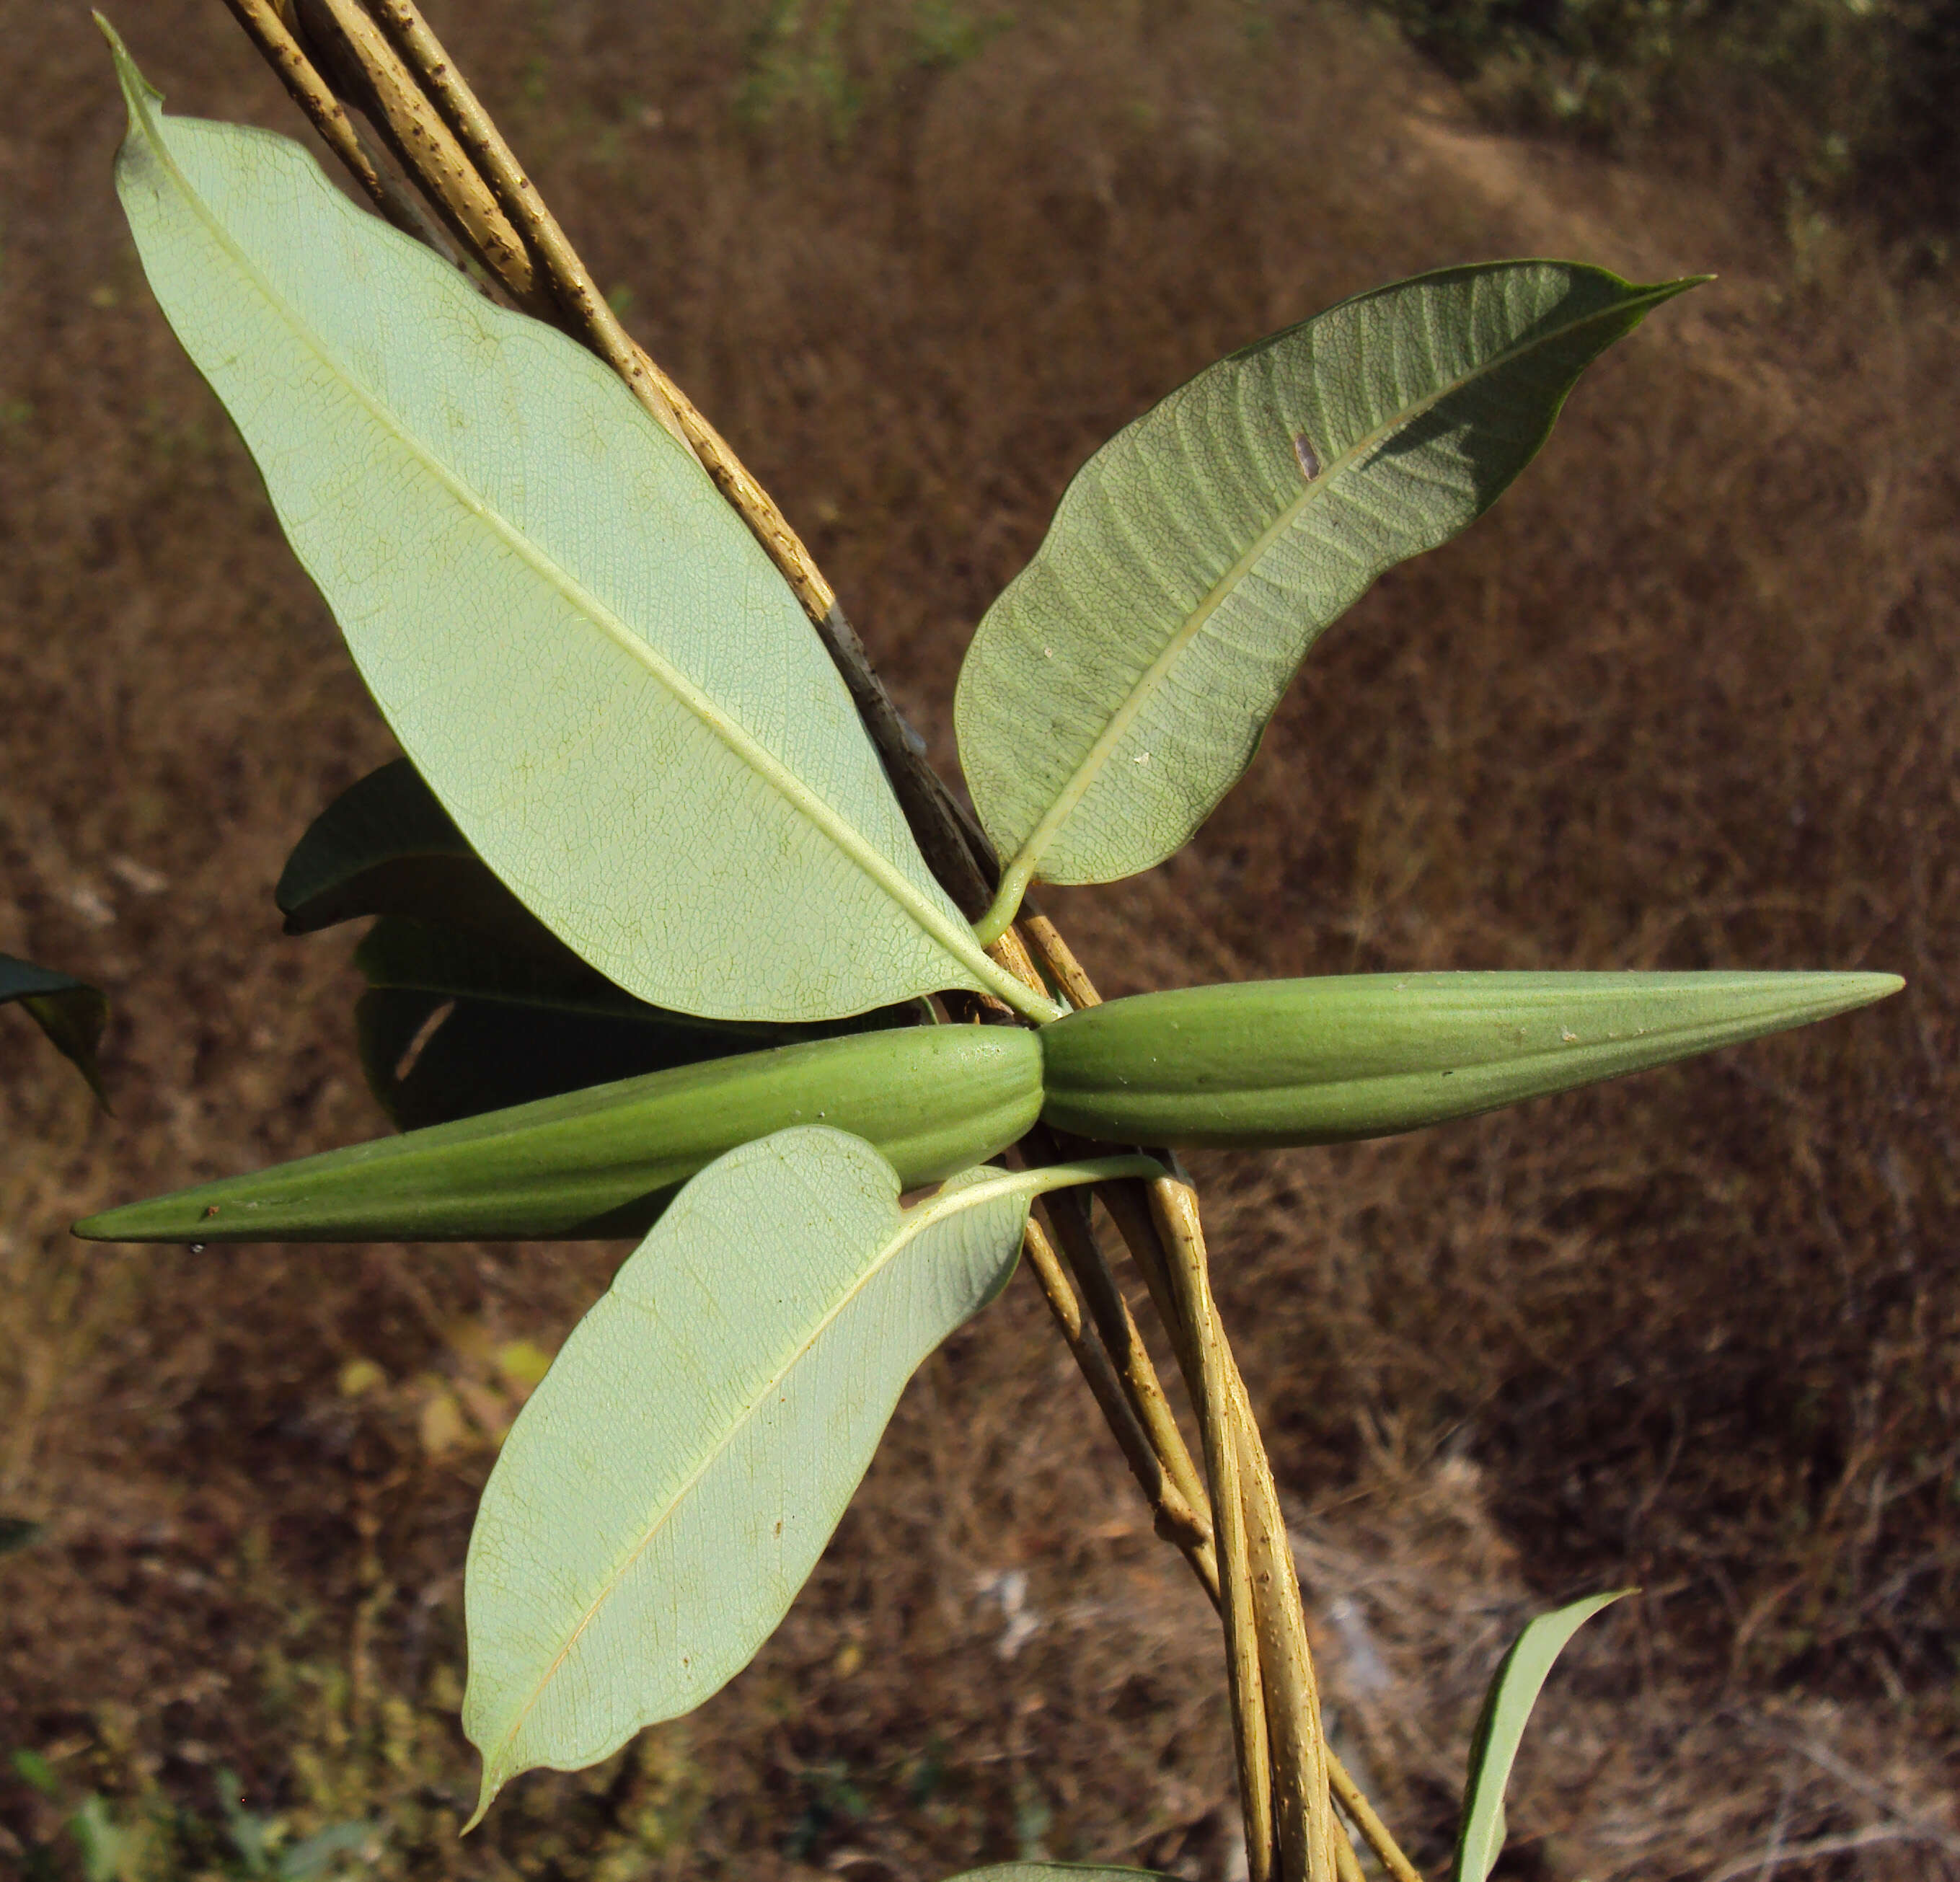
454 1024
1117 688
385 846
70 1011
430 1059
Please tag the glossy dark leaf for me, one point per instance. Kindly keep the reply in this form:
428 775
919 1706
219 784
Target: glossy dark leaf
70 1011
426 1065
17 1533
519 1026
385 846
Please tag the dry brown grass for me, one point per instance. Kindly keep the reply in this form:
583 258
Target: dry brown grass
1688 696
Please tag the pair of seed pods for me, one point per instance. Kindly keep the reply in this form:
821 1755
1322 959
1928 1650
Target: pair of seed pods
1251 1066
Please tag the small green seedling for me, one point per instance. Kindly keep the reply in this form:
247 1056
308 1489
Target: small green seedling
1515 1686
658 953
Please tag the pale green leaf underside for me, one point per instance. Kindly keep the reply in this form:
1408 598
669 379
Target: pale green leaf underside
1117 688
1507 1709
579 644
670 1485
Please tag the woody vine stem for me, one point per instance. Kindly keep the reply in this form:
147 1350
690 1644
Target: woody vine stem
466 196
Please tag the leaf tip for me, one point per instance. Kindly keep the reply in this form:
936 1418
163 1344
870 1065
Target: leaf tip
1663 291
494 1777
138 93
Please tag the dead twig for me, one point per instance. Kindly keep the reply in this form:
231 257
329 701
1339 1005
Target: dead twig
1818 1848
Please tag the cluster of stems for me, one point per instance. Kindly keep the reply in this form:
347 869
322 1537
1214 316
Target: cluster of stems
443 173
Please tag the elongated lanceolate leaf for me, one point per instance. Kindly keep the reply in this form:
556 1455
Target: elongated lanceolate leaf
1269 1063
70 1011
577 641
1507 1709
668 1488
1119 687
605 1161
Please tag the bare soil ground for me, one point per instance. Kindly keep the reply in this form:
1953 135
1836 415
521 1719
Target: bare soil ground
1690 696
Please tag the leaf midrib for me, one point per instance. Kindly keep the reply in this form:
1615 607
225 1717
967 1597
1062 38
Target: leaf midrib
956 939
912 1223
1027 859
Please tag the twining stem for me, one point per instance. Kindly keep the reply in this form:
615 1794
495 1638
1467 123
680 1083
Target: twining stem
269 32
310 92
1124 1341
1347 1864
1054 953
423 142
1177 1520
1211 1389
1131 1208
1147 1462
1374 1831
1124 1344
1304 1818
577 293
456 155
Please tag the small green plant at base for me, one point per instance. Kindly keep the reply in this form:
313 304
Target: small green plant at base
116 1841
661 949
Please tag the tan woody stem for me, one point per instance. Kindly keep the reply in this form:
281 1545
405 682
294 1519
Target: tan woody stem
1177 1519
269 30
424 144
1211 1388
1303 1817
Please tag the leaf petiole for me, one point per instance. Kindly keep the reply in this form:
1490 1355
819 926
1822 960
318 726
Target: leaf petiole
1052 1176
1006 903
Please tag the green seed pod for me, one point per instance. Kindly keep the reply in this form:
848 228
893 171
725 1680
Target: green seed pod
1274 1063
933 1100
